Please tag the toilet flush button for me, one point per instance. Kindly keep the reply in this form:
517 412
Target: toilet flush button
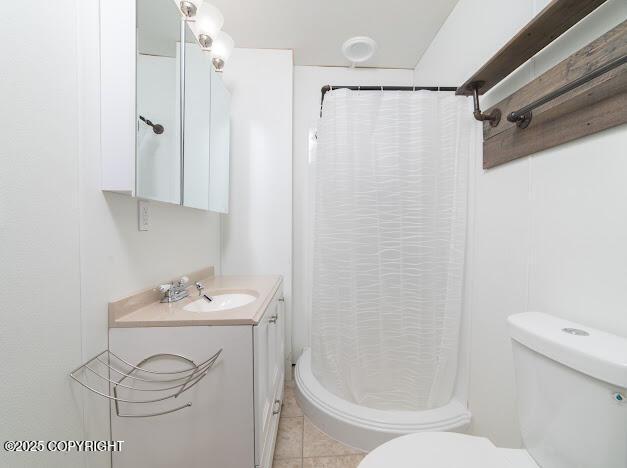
575 331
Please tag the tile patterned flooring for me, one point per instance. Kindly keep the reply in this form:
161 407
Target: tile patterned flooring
300 444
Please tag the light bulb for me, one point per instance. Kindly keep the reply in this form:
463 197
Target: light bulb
223 45
209 21
189 8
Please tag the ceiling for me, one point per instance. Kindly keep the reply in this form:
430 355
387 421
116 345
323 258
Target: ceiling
316 29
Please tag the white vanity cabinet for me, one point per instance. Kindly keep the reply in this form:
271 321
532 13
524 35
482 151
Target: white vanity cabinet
234 413
269 374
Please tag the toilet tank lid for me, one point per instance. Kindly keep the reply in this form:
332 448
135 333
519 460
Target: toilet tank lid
590 351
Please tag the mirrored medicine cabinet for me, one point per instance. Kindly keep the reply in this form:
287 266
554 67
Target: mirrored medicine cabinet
177 147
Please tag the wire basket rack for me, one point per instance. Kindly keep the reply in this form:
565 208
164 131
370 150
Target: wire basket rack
121 378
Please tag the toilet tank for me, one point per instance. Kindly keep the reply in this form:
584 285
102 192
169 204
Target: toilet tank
571 382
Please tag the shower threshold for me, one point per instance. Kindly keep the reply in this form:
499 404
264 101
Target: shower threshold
366 428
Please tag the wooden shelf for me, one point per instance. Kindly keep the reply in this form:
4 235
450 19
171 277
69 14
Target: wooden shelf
544 28
592 107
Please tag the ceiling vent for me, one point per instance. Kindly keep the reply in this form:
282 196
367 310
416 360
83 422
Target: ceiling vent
359 49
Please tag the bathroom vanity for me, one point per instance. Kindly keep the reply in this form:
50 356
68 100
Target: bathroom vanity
229 418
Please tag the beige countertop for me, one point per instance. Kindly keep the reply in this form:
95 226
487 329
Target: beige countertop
144 309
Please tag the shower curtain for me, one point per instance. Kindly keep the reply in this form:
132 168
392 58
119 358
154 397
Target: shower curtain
389 242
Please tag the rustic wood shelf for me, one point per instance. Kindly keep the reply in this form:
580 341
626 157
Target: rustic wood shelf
555 19
589 108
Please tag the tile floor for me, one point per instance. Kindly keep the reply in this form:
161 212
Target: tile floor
300 444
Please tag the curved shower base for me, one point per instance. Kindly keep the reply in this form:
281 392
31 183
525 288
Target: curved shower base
366 428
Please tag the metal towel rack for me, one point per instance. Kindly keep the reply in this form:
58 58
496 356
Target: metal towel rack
162 385
522 117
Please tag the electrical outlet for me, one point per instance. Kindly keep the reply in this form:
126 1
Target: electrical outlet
143 218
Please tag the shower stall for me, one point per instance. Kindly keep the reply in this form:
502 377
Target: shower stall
388 250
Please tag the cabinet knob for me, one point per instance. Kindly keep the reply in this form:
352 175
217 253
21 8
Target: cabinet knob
273 319
277 407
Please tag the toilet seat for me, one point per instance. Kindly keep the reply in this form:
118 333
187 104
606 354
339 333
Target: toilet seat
440 450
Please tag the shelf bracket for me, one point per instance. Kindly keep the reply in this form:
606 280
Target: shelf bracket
493 117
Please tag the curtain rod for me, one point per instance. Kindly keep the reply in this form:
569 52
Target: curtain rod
327 88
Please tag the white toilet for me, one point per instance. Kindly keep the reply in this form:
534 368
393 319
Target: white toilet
572 405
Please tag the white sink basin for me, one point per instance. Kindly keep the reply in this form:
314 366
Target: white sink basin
220 302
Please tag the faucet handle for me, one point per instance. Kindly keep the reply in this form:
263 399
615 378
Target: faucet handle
183 281
199 287
164 288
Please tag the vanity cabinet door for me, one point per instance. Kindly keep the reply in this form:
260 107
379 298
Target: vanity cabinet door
279 345
268 377
217 430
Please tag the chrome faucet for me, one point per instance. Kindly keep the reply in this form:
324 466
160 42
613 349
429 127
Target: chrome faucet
173 292
200 287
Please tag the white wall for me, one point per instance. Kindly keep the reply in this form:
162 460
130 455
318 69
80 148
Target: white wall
67 249
257 232
40 336
549 231
307 84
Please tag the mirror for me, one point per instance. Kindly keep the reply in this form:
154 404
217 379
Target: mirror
220 145
183 127
158 147
197 124
206 132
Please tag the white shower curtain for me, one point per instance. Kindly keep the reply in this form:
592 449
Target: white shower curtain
389 245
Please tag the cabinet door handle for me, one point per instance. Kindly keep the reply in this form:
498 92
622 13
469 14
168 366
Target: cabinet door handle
274 318
277 407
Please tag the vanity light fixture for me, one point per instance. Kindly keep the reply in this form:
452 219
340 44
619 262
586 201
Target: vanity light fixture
222 47
190 7
209 21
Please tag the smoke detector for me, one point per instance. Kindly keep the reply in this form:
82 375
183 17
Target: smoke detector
359 49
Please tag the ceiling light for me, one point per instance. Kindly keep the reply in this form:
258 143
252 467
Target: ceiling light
209 21
190 7
359 49
222 47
